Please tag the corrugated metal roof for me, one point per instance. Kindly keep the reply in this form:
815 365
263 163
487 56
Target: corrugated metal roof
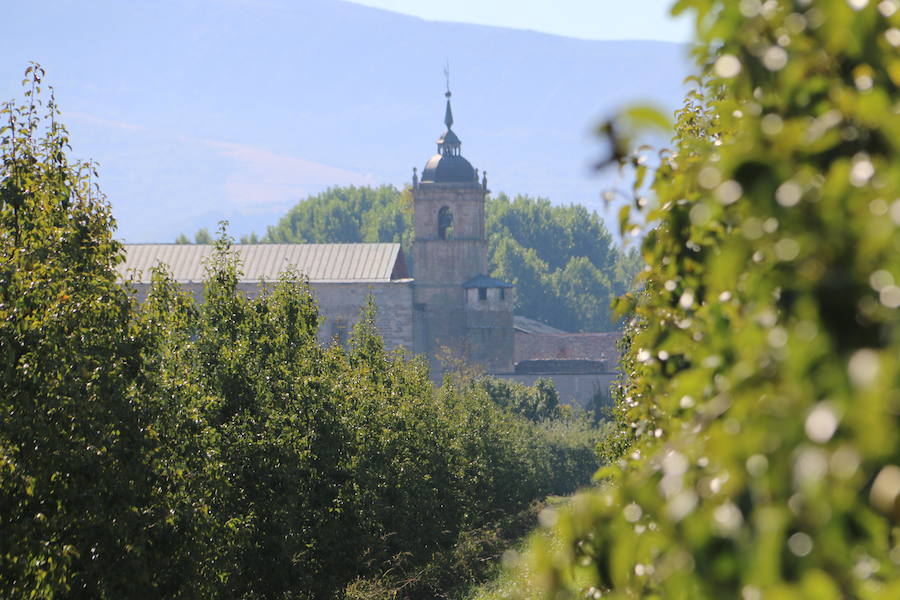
319 262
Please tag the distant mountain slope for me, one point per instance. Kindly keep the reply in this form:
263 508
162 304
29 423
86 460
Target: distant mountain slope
207 109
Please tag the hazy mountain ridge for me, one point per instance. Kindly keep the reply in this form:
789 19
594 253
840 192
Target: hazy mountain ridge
205 109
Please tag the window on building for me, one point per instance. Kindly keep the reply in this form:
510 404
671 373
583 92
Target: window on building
445 223
502 294
482 293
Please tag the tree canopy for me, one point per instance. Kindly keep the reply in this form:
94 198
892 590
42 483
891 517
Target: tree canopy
346 215
564 263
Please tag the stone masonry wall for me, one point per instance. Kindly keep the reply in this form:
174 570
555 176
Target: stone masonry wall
394 319
465 202
590 346
448 262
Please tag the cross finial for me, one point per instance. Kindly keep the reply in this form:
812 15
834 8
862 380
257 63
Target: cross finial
447 77
448 114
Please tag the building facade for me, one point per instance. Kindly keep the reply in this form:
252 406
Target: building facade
341 277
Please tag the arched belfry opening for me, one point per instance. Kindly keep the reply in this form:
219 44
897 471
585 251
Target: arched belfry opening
445 223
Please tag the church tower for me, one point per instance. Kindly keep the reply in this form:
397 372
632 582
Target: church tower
460 312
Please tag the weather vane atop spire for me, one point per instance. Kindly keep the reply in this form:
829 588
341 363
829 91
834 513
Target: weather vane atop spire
448 115
447 77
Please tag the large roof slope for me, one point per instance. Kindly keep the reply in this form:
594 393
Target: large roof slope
526 325
265 262
568 346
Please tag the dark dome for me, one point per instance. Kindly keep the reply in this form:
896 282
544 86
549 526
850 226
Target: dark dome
443 168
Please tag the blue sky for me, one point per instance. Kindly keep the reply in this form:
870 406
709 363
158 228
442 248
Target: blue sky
201 110
588 19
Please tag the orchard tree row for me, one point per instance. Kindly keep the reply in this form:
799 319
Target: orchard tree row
176 450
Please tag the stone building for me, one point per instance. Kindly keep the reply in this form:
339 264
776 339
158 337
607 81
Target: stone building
450 309
580 364
341 276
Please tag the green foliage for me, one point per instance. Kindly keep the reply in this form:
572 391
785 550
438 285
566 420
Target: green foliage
202 236
250 239
758 442
309 462
450 573
216 450
558 233
561 258
75 492
347 215
537 403
253 378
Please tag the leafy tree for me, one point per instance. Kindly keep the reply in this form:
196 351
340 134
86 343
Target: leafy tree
539 402
524 268
585 291
79 505
202 236
758 447
347 215
558 257
558 233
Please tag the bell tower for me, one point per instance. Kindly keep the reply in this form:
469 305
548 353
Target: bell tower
448 202
450 260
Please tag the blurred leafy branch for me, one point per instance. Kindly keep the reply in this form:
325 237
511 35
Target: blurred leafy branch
757 442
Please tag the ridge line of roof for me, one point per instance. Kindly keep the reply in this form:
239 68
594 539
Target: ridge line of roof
264 262
262 245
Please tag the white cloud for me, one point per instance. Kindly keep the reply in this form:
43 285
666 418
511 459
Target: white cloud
95 120
161 182
265 181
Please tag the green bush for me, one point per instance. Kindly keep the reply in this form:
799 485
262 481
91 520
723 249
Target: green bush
538 402
758 419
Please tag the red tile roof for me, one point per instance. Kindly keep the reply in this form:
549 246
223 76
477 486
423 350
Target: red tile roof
583 346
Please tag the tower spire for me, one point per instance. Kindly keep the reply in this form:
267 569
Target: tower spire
448 114
448 144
